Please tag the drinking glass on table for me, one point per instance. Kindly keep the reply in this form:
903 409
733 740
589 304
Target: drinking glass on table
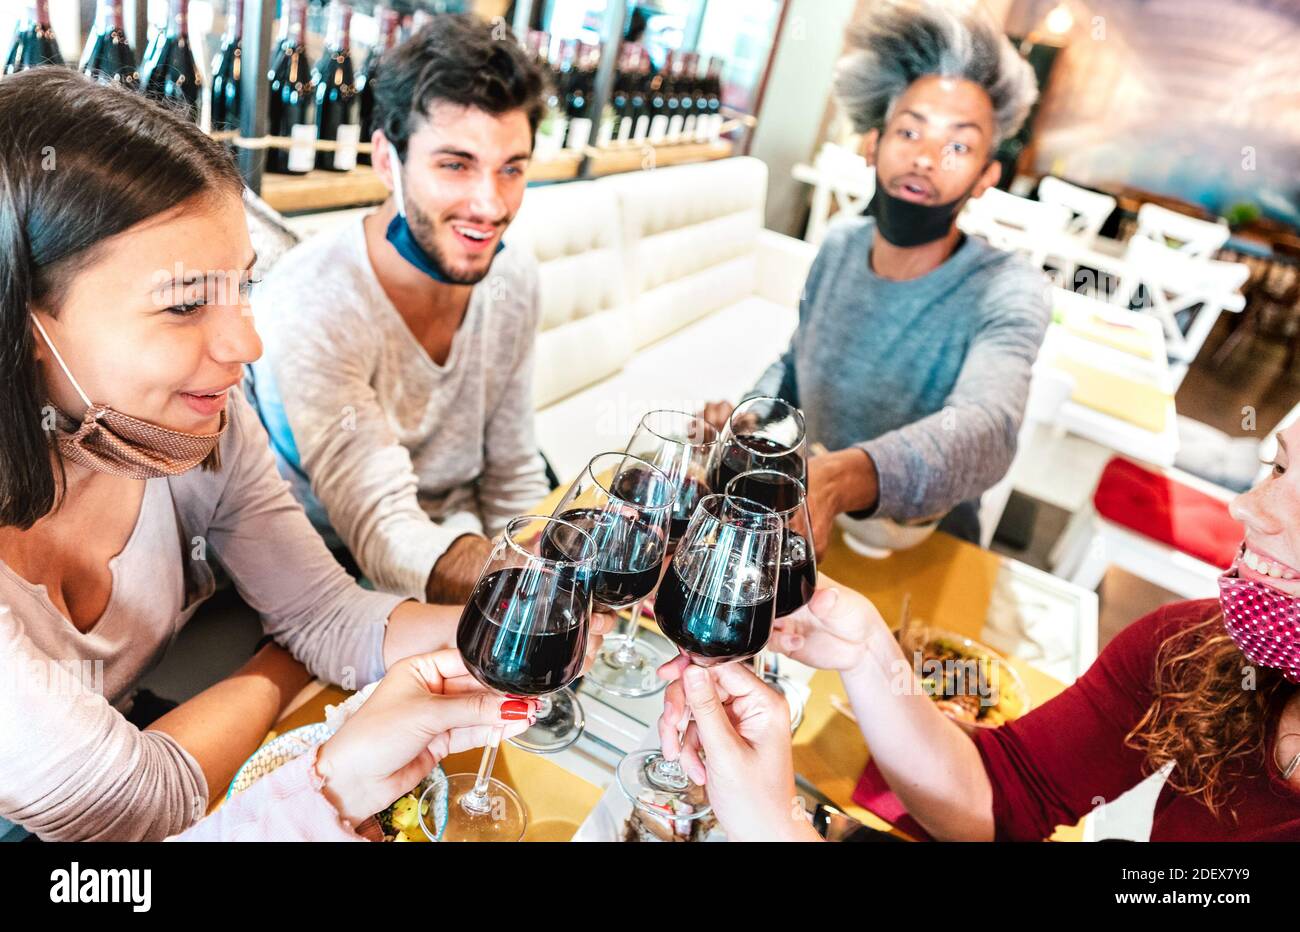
716 603
624 504
761 433
523 633
797 576
682 447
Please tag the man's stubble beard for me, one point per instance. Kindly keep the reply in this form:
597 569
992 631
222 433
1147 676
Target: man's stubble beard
423 228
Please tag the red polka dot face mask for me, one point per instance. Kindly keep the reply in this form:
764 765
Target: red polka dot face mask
1263 622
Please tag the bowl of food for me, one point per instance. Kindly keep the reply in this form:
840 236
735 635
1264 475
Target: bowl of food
400 821
970 682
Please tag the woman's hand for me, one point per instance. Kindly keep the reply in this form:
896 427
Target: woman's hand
832 631
743 729
601 624
426 707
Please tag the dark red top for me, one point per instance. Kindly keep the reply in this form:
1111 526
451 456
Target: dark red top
1048 767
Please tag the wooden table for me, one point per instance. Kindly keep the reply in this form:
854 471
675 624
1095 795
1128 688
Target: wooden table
950 583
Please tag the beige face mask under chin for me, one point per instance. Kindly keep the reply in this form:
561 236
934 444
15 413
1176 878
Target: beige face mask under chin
111 442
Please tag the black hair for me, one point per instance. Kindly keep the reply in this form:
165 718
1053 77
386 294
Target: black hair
79 162
461 59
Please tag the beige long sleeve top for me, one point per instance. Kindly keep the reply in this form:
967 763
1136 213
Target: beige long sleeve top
71 766
391 454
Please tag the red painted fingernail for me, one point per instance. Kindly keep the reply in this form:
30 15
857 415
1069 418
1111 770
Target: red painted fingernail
514 710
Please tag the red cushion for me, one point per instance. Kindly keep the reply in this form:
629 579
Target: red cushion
1157 507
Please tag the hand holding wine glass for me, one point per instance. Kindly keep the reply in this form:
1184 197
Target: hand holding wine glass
426 707
716 604
522 633
738 745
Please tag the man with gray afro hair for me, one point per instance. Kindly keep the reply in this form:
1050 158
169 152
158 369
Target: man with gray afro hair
912 356
903 42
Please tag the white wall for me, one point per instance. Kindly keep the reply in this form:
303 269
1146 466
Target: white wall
797 90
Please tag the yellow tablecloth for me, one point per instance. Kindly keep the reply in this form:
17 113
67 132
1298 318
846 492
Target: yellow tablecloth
951 584
1139 403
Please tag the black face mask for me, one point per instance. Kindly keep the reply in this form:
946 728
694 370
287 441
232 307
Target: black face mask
905 223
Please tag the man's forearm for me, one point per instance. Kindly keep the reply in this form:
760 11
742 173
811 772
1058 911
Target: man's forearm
849 478
457 570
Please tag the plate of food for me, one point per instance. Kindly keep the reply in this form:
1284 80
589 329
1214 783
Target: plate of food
400 821
970 682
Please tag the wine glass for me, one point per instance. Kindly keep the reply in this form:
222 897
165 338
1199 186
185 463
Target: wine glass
762 433
624 504
523 632
682 446
797 577
716 603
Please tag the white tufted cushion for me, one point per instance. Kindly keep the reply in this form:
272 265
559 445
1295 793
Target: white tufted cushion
689 235
572 230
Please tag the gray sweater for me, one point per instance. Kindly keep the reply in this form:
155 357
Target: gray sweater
391 454
929 375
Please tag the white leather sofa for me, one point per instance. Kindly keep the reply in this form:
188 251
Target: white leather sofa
659 289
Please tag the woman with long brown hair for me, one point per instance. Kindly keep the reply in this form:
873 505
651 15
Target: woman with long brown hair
129 460
1205 689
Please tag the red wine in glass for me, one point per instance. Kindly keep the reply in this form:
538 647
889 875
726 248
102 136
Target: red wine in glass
744 452
712 624
796 578
630 553
529 657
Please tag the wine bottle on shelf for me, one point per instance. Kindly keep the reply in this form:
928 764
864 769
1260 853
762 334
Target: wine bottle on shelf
624 82
641 96
174 76
575 96
108 56
673 93
226 71
34 42
690 89
658 133
390 22
289 107
701 94
713 93
336 94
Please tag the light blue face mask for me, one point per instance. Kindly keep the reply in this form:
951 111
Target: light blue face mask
402 236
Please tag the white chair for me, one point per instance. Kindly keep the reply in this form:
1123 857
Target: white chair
1189 235
1089 211
1049 389
1015 224
1091 544
840 178
1178 281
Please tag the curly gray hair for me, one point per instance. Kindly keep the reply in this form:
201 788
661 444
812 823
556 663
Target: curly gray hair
900 42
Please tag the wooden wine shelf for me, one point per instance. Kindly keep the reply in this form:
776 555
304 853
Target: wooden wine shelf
631 159
324 190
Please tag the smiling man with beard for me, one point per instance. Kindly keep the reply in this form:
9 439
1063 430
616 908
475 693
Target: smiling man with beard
396 384
912 356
